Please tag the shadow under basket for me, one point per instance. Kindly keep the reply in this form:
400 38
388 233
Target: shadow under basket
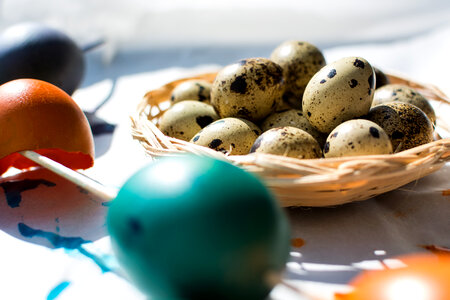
308 182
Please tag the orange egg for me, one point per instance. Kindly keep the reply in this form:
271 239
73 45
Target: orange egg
425 277
36 115
41 207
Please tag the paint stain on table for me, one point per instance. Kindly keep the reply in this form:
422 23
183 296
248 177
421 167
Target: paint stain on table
297 242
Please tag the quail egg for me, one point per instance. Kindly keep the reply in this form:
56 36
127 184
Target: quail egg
191 90
287 141
293 118
381 79
229 135
340 91
406 125
357 137
184 119
406 94
249 89
300 61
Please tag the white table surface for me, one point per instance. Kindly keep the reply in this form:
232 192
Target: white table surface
339 241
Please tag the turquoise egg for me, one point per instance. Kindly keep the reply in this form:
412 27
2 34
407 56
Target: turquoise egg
191 227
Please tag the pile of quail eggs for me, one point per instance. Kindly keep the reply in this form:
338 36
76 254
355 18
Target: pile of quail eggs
295 104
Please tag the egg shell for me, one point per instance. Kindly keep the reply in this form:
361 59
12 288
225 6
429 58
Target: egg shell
185 118
406 125
192 90
43 208
381 78
249 89
405 94
191 227
340 91
229 135
419 276
293 118
36 115
357 137
33 50
300 60
287 141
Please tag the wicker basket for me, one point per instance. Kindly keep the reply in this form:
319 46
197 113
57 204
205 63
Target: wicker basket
307 182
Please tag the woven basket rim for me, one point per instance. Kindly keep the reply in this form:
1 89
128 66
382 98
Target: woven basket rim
331 181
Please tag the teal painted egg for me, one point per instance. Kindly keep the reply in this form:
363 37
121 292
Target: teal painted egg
192 227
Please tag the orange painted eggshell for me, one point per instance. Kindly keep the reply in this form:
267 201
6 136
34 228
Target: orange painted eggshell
36 115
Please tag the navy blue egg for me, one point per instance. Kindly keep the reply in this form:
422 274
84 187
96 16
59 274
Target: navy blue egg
32 50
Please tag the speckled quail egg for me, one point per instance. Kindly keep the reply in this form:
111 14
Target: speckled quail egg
191 90
293 118
249 89
340 91
300 61
184 119
229 135
287 141
406 94
381 78
357 137
406 125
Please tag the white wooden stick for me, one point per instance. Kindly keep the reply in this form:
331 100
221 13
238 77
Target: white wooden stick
79 179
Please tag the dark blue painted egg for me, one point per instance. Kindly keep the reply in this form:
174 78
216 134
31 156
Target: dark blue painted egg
32 50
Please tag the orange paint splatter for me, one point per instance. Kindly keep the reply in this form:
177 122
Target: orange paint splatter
297 242
446 193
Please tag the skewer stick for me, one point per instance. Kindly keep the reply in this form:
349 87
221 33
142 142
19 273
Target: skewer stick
79 179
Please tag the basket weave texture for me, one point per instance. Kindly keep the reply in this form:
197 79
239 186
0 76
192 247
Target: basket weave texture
307 182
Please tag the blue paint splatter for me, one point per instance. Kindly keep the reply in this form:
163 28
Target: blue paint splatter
54 293
14 188
56 240
97 260
106 203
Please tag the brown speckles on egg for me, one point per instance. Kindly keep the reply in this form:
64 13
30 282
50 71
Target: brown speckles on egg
332 73
326 148
397 135
293 118
248 89
287 141
191 90
203 121
239 85
359 63
233 136
185 118
341 98
405 94
243 112
215 143
407 125
353 83
299 61
374 132
357 137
